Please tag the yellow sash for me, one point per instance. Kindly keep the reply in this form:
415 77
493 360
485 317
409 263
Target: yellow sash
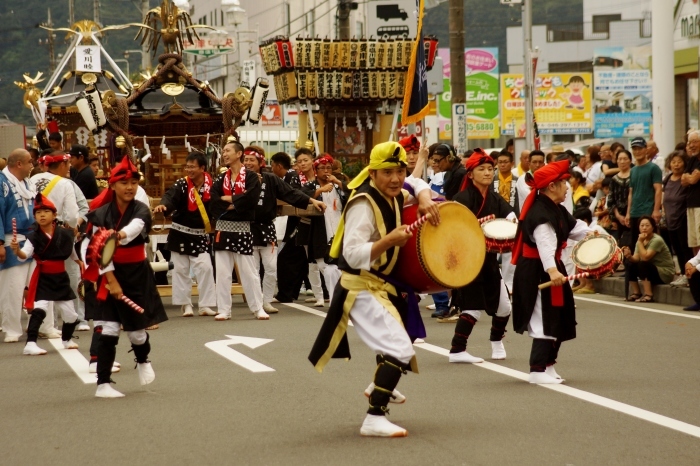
202 210
52 184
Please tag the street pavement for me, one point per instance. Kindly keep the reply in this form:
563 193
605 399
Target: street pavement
630 397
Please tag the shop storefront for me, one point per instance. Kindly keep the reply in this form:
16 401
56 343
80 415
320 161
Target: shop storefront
686 37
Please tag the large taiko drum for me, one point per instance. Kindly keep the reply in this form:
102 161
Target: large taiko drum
443 257
597 255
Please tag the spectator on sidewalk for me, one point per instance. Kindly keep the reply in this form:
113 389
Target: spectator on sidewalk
608 162
674 203
587 285
690 179
651 262
579 194
524 165
618 198
645 188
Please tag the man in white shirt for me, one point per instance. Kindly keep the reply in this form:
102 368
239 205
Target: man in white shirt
367 243
536 158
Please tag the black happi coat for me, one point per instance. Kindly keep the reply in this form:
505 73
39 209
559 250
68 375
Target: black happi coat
485 291
273 188
53 286
292 179
176 201
326 344
136 279
243 211
558 314
318 238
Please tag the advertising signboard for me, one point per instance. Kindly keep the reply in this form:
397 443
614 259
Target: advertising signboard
622 92
562 104
481 68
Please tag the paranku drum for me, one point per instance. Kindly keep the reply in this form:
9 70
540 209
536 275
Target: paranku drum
597 255
443 257
101 248
500 235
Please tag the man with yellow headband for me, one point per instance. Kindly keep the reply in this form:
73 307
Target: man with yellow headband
367 244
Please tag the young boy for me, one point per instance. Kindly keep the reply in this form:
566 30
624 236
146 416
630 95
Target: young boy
50 245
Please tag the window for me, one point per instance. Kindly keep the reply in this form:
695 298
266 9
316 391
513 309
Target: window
601 23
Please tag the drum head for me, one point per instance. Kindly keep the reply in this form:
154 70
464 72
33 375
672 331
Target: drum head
454 251
108 251
593 252
500 229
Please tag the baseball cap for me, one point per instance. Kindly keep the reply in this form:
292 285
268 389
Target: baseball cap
638 142
77 149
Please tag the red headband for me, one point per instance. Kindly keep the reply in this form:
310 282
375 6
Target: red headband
478 157
325 159
49 159
258 155
410 143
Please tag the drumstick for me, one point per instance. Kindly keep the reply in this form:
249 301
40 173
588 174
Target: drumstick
542 286
413 226
487 218
132 304
14 229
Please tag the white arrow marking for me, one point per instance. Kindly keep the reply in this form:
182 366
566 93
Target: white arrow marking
75 360
222 347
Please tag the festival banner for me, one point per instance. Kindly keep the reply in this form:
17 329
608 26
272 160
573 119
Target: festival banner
622 92
481 69
562 104
415 102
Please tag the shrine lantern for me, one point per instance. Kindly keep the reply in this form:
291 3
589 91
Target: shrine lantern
430 43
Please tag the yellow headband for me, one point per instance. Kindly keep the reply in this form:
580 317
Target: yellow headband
385 155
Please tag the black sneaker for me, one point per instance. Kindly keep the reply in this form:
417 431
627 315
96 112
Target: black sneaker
441 313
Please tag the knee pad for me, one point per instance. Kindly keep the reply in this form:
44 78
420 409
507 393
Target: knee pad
138 337
111 329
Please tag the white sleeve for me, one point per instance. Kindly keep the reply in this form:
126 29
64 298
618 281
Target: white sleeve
523 191
546 240
27 249
511 216
359 226
70 212
569 201
132 230
580 231
417 184
695 262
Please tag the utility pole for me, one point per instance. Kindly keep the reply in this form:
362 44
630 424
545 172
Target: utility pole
344 7
456 28
528 74
662 70
96 11
145 57
49 42
71 12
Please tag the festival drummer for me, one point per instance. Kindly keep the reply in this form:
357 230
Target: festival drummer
487 291
367 244
548 315
115 209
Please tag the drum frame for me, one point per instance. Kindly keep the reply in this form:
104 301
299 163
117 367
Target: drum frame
602 268
498 244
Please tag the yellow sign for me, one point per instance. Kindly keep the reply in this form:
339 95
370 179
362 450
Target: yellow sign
562 104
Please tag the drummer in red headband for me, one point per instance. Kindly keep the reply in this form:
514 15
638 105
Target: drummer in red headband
129 272
548 315
487 292
412 147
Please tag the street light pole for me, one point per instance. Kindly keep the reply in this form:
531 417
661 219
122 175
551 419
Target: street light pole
127 65
528 75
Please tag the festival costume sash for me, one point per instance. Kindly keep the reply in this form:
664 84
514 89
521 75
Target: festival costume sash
52 184
198 204
47 266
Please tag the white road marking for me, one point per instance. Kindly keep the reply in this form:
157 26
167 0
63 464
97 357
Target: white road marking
222 348
639 413
75 360
639 308
310 310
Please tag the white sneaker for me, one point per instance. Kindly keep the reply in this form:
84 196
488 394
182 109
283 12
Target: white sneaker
551 371
187 310
319 303
270 309
309 292
222 317
430 307
310 300
53 333
11 339
83 327
92 368
105 390
397 397
680 282
379 426
464 357
498 351
70 344
146 374
261 315
543 378
32 349
205 311
418 341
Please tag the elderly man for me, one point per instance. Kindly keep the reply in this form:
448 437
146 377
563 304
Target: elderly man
690 178
524 165
16 203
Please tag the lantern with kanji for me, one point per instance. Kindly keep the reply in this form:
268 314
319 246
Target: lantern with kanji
430 43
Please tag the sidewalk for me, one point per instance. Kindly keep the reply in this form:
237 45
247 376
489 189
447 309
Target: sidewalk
666 294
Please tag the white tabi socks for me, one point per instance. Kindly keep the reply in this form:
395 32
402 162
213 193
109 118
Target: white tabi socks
105 390
379 426
543 378
146 374
551 371
498 351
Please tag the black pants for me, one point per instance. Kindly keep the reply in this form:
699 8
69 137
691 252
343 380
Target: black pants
292 268
643 270
694 283
679 243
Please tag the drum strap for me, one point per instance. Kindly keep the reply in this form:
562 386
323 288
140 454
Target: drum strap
202 211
